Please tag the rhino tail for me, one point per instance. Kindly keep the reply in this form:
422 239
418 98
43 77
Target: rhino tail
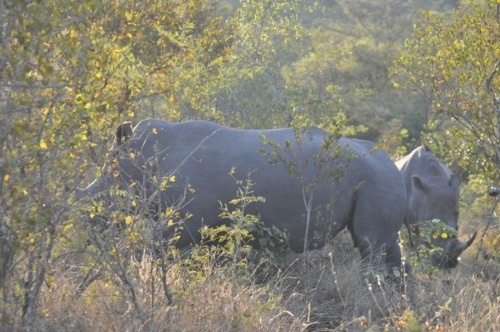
351 231
407 225
350 226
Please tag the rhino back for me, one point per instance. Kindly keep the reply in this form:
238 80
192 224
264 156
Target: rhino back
202 154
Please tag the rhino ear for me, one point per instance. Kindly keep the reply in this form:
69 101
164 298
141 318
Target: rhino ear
454 181
123 132
420 184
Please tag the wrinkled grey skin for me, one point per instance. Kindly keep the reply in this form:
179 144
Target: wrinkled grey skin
433 193
370 199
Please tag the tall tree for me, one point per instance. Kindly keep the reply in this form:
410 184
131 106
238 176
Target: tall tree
347 66
454 62
69 71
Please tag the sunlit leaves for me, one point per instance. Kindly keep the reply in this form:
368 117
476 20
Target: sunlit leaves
251 90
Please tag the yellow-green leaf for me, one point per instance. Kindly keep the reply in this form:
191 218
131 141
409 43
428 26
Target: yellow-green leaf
129 16
67 228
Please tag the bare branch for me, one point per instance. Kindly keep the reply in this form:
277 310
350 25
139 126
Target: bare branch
489 86
275 90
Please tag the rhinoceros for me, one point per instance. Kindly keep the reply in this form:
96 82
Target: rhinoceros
433 194
369 199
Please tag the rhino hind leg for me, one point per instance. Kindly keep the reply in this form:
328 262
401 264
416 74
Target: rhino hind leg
379 212
375 231
393 257
384 259
373 253
394 262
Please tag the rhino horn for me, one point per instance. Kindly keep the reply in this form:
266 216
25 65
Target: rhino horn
463 246
91 190
79 193
470 240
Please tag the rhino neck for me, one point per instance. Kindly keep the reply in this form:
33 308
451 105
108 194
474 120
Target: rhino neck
412 214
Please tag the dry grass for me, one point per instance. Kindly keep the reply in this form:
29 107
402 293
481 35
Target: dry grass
330 296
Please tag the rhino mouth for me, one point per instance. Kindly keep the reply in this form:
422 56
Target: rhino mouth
446 261
449 260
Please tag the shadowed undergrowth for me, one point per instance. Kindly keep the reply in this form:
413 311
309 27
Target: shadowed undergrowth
209 296
124 278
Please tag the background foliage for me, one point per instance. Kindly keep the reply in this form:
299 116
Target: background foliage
70 71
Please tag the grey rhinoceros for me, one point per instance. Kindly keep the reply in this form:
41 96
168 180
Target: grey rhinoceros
370 199
433 194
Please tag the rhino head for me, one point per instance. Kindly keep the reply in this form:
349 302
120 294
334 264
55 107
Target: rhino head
115 168
112 189
430 200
